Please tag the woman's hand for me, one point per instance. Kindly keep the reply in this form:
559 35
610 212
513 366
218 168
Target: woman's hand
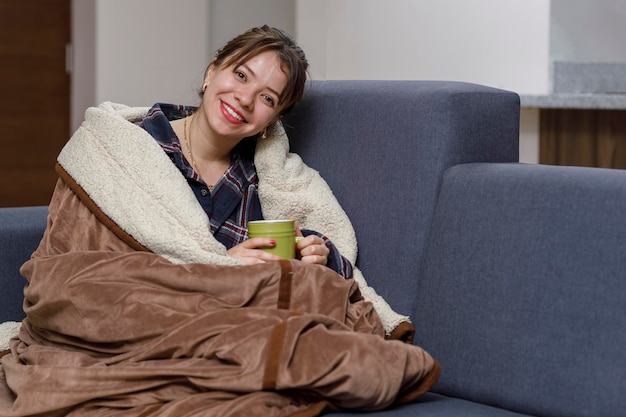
249 252
311 249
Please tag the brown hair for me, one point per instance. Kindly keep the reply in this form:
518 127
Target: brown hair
262 39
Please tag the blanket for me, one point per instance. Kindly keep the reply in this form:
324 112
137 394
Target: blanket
134 310
121 167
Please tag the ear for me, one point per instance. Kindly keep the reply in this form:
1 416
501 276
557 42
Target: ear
209 72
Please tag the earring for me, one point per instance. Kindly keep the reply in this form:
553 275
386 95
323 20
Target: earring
204 86
264 134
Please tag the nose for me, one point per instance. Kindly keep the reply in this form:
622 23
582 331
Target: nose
245 96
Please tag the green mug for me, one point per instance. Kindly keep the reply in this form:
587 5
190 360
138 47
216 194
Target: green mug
281 231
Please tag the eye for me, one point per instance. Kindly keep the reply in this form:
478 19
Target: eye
269 100
239 74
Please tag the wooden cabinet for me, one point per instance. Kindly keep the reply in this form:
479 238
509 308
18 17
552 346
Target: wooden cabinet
583 137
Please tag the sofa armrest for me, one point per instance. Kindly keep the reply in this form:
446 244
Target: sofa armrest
523 294
21 229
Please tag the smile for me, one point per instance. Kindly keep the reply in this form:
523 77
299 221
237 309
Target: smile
231 114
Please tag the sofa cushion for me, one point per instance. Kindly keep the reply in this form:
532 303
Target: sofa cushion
522 296
22 229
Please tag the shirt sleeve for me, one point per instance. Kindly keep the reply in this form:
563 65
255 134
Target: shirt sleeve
335 261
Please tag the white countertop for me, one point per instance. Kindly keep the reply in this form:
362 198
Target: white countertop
575 101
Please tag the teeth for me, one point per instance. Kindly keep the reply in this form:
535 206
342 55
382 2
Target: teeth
233 113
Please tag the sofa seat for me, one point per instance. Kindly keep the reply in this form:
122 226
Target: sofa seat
437 405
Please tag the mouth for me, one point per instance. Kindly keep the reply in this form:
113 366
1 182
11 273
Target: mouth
231 114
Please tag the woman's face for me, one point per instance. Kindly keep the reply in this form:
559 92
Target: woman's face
241 101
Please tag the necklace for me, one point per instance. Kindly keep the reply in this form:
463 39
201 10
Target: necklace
187 139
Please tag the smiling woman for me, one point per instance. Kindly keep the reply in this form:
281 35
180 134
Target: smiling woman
250 83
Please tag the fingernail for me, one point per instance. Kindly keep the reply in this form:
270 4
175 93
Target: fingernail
273 242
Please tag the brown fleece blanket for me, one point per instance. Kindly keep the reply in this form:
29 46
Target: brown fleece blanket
116 331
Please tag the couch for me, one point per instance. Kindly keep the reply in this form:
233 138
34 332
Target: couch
514 274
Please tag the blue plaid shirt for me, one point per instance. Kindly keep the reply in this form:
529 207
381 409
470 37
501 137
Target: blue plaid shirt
234 200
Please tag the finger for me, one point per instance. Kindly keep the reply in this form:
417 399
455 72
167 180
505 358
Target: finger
309 241
315 249
266 256
314 259
257 256
302 242
260 254
259 242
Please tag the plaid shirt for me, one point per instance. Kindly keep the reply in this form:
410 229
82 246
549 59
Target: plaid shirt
234 200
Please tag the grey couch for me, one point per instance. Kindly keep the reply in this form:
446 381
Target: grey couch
514 274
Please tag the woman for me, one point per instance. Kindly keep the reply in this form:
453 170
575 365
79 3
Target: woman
144 297
255 79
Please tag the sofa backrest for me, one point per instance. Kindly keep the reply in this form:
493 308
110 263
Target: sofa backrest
523 293
383 147
21 230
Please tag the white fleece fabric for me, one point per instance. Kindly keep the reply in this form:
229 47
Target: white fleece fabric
129 177
8 330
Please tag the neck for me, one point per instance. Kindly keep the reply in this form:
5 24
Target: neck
212 161
203 147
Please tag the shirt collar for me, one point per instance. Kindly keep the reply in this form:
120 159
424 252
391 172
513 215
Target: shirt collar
157 122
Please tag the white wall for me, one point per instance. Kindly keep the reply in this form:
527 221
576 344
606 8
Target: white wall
137 52
588 30
229 18
499 43
83 80
150 50
504 44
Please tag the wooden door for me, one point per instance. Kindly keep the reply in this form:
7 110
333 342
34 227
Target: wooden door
34 97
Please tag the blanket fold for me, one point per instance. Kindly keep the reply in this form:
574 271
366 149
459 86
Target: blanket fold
126 319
